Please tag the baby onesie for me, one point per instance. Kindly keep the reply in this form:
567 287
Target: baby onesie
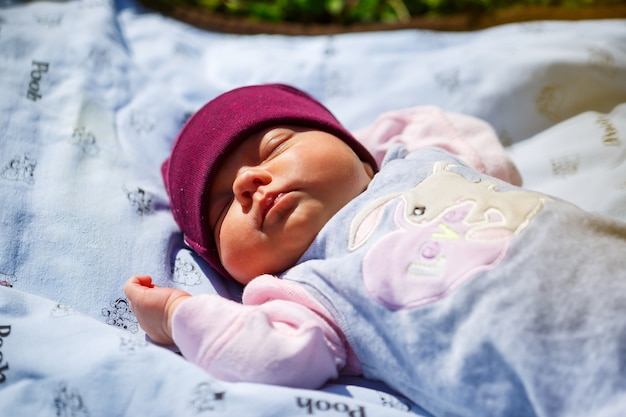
466 294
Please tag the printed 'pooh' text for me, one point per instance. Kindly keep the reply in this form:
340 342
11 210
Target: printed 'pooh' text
4 365
315 406
39 69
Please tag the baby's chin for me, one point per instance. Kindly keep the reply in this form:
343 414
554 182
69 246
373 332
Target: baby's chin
246 273
274 258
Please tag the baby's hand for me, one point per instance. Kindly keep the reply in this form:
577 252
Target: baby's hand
154 307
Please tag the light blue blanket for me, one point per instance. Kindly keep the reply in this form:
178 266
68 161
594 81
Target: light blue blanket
92 94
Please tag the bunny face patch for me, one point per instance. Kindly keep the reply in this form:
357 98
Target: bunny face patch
449 229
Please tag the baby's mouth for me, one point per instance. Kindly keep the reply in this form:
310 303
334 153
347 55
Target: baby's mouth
268 203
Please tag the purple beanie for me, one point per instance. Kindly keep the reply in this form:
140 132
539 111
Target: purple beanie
213 132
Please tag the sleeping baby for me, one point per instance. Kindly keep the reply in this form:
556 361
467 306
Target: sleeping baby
421 264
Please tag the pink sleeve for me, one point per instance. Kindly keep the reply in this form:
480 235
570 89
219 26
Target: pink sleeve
277 341
468 138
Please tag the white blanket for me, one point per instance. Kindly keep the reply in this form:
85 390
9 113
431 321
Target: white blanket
91 96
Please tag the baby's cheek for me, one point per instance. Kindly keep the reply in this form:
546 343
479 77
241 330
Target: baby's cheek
241 258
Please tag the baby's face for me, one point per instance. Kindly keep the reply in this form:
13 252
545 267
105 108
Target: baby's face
273 195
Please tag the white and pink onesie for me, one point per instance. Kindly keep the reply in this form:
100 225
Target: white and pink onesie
444 279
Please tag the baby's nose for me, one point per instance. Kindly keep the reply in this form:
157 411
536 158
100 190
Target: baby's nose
248 181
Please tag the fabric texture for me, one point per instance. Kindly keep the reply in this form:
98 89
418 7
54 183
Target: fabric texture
468 138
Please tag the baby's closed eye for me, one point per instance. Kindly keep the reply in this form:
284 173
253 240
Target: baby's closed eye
274 142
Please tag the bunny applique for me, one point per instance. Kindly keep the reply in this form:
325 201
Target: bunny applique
449 229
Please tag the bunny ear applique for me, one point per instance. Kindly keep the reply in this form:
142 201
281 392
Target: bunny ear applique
366 221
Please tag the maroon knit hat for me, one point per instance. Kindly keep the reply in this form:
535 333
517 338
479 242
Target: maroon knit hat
213 132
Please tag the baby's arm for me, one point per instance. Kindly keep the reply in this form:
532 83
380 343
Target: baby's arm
278 342
269 340
470 139
153 306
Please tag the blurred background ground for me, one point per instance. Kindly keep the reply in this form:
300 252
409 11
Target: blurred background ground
334 16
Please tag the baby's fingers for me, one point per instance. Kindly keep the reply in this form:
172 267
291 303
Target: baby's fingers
136 285
144 281
139 281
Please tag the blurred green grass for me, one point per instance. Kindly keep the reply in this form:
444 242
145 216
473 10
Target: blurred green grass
347 12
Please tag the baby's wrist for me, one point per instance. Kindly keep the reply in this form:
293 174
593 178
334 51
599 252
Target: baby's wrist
171 309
